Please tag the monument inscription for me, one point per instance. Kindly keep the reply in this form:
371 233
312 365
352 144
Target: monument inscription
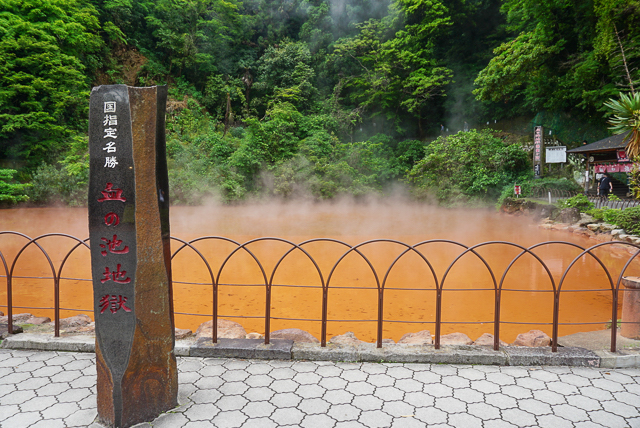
130 254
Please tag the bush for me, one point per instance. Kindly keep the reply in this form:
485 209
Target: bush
11 192
606 214
629 220
579 201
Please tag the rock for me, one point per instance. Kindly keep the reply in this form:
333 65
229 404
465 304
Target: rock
594 227
420 338
4 330
294 334
38 320
617 232
1 314
585 219
89 328
388 341
226 329
568 215
346 339
455 339
533 339
606 227
487 340
75 321
182 333
255 335
21 318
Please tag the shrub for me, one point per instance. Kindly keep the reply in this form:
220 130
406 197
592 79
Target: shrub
629 220
11 192
579 201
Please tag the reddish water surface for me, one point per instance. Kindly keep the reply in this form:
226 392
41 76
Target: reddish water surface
353 297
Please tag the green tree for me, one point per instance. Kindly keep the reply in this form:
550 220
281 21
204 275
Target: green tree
47 50
468 165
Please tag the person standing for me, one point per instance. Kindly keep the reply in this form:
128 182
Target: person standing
606 185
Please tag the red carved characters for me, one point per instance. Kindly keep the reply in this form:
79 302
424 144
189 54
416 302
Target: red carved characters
115 276
113 303
112 219
111 194
112 246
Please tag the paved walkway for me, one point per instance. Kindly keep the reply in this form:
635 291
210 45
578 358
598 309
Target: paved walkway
57 389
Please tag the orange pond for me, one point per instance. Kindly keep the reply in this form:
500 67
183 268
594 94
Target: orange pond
352 297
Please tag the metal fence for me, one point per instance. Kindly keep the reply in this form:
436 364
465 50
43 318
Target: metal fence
325 278
621 204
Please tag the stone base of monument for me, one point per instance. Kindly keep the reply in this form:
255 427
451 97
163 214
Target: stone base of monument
631 308
243 348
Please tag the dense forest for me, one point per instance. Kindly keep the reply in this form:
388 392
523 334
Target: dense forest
313 98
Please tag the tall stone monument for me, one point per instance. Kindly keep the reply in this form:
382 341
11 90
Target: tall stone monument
130 254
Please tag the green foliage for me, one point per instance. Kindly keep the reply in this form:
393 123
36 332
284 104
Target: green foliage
629 220
10 191
46 48
626 119
468 165
609 215
579 201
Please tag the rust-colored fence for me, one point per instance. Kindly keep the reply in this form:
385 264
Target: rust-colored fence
380 277
620 204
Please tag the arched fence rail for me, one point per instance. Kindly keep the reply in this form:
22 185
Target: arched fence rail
380 277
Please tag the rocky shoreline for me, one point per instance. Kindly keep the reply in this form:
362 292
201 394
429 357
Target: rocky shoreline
82 325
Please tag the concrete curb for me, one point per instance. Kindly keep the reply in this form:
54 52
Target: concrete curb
364 352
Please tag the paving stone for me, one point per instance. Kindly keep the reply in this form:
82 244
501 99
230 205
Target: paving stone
400 372
451 405
229 419
596 393
438 390
258 409
375 419
553 421
380 380
407 422
256 381
621 409
419 399
233 388
310 391
499 423
543 375
344 412
207 370
529 383
389 393
570 413
305 367
168 420
285 399
456 382
360 388
371 368
607 385
203 396
228 403
349 424
288 416
235 364
38 403
201 412
562 388
282 373
49 423
607 419
259 423
628 398
617 377
519 417
16 397
464 420
534 406
32 383
234 375
65 376
285 385
59 410
431 415
367 402
22 419
307 378
576 380
312 406
501 379
333 383
549 397
213 382
397 408
81 418
328 371
468 395
484 386
15 378
427 377
259 394
338 396
354 375
483 411
8 411
584 403
315 421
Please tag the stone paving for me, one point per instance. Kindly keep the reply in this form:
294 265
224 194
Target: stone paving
57 389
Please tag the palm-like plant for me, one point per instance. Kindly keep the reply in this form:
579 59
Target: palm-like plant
626 118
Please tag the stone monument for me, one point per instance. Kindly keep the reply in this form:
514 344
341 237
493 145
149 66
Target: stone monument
130 254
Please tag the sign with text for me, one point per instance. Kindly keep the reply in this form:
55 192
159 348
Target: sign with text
538 144
130 255
556 154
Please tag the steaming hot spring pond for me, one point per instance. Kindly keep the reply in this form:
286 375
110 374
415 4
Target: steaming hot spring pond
409 296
